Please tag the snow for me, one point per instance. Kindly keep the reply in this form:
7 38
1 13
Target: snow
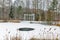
40 31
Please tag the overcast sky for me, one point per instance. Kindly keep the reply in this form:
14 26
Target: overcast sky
13 0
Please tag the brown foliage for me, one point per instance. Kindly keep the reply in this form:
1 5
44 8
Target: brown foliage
15 38
34 39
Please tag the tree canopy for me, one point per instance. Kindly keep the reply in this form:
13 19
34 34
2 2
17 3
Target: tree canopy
53 5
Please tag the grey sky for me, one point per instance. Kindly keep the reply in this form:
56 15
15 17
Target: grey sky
13 0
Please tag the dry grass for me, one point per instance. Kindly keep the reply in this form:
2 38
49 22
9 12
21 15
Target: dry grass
15 38
14 21
34 39
1 20
43 39
57 24
38 39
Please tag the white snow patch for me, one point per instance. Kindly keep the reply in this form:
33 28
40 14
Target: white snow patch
41 31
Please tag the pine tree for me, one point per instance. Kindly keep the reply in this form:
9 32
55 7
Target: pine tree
53 5
11 15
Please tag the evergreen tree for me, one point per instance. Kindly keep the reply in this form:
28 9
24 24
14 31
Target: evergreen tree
11 15
53 5
19 11
51 9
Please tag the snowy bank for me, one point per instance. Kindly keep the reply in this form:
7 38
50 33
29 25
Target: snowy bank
41 31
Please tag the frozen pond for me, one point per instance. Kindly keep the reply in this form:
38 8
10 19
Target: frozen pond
40 31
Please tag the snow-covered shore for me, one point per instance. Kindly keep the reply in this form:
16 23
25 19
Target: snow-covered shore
41 31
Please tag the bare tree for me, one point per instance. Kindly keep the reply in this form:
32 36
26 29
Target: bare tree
27 5
3 9
35 7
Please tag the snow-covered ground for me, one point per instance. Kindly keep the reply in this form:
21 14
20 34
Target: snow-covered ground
41 31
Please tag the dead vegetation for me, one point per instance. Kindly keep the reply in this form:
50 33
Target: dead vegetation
57 24
43 39
14 21
15 38
34 39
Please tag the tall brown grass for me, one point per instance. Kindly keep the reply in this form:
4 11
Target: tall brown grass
15 38
34 39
